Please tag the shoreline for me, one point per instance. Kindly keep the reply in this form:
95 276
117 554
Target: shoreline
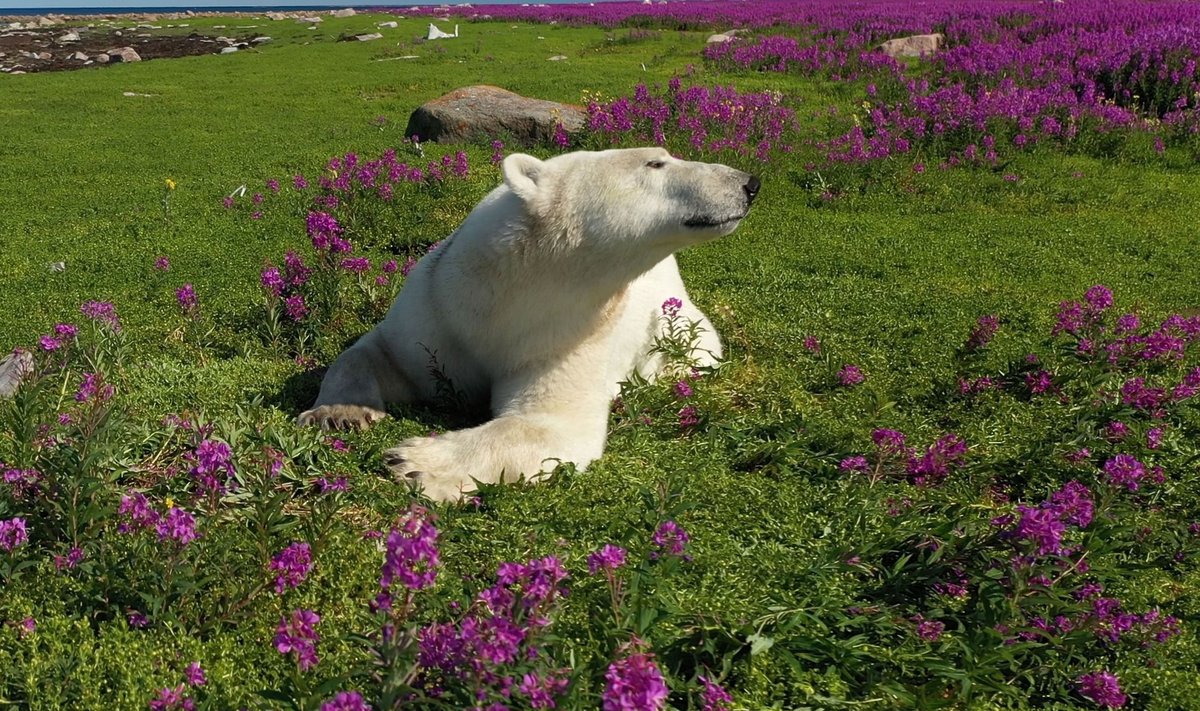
37 20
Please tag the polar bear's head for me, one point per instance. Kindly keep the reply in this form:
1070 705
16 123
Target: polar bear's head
631 200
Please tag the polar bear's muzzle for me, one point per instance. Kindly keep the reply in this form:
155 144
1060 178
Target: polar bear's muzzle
749 189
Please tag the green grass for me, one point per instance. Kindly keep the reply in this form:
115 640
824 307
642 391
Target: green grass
890 277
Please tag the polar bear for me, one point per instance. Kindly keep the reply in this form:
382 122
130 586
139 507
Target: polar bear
546 297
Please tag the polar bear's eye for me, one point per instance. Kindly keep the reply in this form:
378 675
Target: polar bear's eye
656 164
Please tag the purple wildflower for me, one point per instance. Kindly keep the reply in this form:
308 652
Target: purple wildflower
683 390
13 534
851 375
634 683
985 329
73 558
172 699
295 306
411 556
688 417
609 557
295 635
928 630
1099 297
356 265
272 280
889 441
346 701
1043 527
186 296
1127 323
934 466
177 525
1124 470
102 312
671 307
1039 382
669 539
195 675
49 344
857 463
542 690
162 264
714 697
322 228
299 182
293 565
1102 689
811 344
135 513
137 620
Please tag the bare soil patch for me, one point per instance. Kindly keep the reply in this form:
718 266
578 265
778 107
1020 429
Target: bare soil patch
53 49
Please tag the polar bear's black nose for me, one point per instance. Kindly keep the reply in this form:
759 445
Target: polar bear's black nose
751 188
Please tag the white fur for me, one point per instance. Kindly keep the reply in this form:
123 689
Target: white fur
545 298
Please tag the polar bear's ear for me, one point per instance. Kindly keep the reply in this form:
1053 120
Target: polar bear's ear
522 173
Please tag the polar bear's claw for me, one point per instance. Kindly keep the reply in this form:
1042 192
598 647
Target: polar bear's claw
340 417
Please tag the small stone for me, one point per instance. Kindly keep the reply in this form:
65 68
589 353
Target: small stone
101 58
228 50
388 24
69 37
368 37
347 12
557 58
260 40
80 56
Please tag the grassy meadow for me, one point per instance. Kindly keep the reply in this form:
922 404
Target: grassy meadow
802 580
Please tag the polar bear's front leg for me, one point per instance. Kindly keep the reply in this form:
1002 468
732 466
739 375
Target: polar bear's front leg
356 387
538 426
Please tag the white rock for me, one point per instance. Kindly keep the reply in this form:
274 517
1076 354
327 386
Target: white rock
387 24
347 12
228 50
557 58
368 37
69 37
124 54
101 58
80 56
260 40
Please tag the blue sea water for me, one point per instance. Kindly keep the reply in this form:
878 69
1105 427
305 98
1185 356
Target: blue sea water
10 7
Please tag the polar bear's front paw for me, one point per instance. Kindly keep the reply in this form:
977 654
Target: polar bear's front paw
433 465
340 417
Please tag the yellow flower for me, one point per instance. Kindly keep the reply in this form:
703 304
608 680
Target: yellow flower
170 503
170 184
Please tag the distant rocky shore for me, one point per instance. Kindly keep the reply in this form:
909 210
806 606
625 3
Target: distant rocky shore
25 22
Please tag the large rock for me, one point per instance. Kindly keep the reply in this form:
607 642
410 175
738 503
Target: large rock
348 12
723 37
484 113
13 369
913 46
124 54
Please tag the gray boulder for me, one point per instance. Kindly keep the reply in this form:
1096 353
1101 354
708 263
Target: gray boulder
13 368
124 54
913 46
482 113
